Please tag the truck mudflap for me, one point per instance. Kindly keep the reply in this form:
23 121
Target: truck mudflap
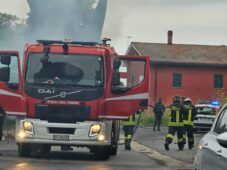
36 131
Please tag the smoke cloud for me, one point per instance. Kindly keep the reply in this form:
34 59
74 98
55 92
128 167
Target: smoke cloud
81 20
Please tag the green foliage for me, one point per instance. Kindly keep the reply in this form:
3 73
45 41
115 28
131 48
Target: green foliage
148 118
11 28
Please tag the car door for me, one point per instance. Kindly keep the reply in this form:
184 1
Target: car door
214 154
11 101
210 158
131 94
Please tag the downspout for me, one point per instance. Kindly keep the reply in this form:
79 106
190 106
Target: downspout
155 82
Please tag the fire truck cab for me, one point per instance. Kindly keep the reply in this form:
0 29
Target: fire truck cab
71 94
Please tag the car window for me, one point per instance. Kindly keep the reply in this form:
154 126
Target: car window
221 124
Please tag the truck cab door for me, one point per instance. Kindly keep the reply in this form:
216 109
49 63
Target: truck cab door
10 84
129 88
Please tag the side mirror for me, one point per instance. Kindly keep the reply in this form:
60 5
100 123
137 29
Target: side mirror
222 139
116 64
116 78
5 60
4 74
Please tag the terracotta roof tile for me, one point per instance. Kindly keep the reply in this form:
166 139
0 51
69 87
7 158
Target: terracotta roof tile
183 54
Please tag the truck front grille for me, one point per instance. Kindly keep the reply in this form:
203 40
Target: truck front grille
62 113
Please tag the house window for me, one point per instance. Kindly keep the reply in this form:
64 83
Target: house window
218 81
177 80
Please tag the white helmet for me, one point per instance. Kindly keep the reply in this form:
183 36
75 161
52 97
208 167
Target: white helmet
188 99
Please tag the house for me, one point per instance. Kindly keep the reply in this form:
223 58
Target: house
196 71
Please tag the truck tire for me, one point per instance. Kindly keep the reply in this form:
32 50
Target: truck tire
102 153
115 138
2 117
114 145
24 150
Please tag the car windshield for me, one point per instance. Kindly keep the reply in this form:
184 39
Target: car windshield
205 110
59 69
221 125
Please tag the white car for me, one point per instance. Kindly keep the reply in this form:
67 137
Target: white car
206 114
212 149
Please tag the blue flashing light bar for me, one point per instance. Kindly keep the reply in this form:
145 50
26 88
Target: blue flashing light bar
215 103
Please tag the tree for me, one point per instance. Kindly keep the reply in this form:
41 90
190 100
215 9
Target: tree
11 28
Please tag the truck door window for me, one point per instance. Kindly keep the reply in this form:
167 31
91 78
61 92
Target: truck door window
14 78
131 73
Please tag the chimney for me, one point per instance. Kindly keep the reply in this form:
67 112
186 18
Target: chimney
170 37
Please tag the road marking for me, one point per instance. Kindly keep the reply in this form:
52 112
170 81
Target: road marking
160 158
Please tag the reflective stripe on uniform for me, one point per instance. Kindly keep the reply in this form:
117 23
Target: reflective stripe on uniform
191 139
189 121
131 121
176 124
180 140
169 136
177 116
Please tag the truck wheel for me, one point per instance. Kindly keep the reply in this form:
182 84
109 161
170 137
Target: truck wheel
114 145
24 150
2 117
102 153
114 138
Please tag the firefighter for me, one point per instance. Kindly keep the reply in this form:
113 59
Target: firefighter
2 117
159 110
175 123
129 127
189 115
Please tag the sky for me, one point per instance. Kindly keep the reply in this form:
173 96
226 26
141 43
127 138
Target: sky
192 21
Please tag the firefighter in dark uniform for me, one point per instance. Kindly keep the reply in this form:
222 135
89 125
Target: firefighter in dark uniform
158 110
189 115
2 117
175 123
128 127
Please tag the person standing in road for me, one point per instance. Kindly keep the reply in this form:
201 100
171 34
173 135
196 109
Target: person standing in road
189 115
128 127
2 117
175 123
158 110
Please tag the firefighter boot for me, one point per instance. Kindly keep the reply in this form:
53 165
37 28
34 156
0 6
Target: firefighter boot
127 144
181 146
166 146
191 145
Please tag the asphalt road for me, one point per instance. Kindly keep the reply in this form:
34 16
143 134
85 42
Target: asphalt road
156 140
141 157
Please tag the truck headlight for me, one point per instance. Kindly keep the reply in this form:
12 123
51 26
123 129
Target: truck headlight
95 129
28 127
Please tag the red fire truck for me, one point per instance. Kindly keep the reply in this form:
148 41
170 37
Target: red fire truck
71 94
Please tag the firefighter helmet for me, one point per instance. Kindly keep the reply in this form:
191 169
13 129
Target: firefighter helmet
188 99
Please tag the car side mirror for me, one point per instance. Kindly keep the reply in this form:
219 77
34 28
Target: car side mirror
116 64
116 78
5 60
222 139
4 74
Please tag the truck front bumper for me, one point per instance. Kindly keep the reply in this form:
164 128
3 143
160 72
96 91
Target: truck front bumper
77 134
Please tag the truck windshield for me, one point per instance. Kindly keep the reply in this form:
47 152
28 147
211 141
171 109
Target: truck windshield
71 69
